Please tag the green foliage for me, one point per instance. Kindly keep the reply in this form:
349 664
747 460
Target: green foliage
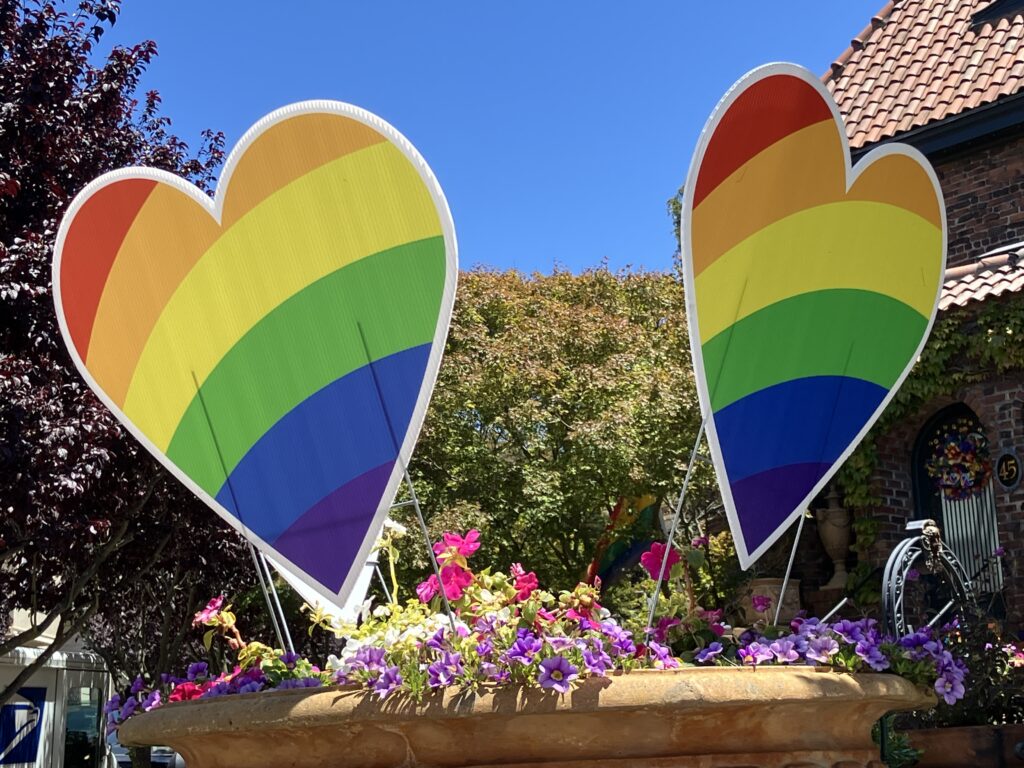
557 395
896 751
965 347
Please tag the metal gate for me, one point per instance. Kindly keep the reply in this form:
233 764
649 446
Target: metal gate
971 531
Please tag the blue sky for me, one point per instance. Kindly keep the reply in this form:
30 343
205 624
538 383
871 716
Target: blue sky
557 129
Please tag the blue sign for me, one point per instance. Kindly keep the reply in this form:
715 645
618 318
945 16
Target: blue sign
20 725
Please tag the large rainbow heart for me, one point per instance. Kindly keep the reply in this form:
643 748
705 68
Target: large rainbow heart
811 287
274 347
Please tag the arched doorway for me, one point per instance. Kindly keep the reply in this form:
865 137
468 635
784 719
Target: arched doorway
969 524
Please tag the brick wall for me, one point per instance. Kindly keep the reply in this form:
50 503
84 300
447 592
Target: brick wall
999 404
984 190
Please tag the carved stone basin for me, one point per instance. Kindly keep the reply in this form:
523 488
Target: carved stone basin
718 717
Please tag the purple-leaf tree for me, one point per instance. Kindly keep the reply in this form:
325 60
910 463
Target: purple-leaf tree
96 538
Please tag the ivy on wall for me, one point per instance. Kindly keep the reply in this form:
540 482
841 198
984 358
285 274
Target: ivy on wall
966 347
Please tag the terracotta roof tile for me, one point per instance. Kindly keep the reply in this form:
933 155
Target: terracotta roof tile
920 61
990 276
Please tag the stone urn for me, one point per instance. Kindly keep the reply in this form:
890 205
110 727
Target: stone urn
834 532
717 717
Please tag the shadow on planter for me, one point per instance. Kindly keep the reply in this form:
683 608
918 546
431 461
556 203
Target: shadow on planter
719 717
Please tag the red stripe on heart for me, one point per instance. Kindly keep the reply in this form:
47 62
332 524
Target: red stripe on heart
92 243
764 113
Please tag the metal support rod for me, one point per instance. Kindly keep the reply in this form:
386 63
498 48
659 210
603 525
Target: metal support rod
277 603
262 569
672 530
430 547
789 568
835 610
943 612
383 583
408 480
266 595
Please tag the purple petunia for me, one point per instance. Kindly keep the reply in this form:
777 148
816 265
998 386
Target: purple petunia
596 661
755 654
822 649
949 687
137 685
152 701
445 670
302 682
389 680
557 673
709 654
129 708
761 603
784 651
525 648
872 655
289 658
661 656
199 669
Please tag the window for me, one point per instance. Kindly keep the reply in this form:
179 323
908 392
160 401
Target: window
82 741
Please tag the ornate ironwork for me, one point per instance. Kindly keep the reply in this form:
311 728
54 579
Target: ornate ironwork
924 552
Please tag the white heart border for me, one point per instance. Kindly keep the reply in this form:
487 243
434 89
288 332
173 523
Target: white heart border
747 558
214 207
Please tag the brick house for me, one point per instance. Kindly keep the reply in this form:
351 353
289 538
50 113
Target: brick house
947 76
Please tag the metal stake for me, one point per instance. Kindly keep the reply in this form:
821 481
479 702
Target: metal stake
408 480
260 563
672 531
789 568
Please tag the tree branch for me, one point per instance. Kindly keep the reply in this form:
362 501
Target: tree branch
64 633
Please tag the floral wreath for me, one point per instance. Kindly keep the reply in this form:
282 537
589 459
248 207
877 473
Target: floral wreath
959 464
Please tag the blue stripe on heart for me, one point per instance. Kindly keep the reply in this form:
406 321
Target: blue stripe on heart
803 421
333 437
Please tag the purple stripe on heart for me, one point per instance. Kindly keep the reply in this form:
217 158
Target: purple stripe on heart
764 501
324 541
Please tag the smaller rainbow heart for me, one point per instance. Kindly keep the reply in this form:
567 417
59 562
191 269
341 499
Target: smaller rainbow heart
275 347
811 287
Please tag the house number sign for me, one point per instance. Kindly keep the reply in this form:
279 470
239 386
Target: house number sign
1008 470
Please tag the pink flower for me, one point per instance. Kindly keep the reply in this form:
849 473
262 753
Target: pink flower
458 545
209 612
188 691
652 559
426 590
455 579
761 603
661 630
525 582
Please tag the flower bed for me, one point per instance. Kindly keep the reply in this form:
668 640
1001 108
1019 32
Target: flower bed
507 631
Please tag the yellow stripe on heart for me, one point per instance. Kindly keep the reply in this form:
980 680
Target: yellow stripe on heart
822 248
321 214
809 164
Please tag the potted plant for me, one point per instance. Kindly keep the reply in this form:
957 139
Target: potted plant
518 675
985 726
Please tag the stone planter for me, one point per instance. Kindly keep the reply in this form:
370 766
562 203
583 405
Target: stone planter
718 717
979 746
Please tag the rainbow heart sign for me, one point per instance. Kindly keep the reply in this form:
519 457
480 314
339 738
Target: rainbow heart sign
811 286
275 347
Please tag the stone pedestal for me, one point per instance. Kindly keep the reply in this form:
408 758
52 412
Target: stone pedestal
773 717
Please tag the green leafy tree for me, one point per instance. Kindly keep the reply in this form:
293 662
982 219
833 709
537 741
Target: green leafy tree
558 394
